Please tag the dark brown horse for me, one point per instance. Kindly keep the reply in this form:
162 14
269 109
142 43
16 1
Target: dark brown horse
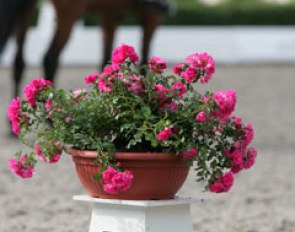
16 16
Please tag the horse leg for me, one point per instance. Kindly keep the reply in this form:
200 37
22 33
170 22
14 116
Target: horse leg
24 22
65 23
109 23
150 19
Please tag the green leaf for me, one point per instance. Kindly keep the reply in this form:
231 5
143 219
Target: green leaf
97 176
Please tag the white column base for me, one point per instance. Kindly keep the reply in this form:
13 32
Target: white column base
140 216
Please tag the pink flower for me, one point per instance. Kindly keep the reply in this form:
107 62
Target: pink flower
68 119
33 88
161 90
78 92
248 133
205 79
134 84
204 64
13 110
121 53
21 167
157 64
189 75
115 181
91 78
179 68
15 127
190 154
242 158
52 158
223 183
179 88
48 104
14 115
165 134
250 157
108 174
226 102
202 117
173 106
110 71
237 168
238 122
236 157
111 189
105 86
123 180
168 103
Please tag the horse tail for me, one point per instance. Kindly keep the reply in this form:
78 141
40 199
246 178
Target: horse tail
10 12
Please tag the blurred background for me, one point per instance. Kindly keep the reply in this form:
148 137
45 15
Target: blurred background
253 43
231 30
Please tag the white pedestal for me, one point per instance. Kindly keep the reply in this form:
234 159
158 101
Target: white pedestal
140 216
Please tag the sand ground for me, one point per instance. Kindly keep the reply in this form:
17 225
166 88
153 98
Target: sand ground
262 200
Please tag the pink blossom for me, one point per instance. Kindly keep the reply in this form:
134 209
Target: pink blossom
250 157
13 110
226 102
111 189
14 115
134 84
105 86
248 133
204 64
238 122
123 180
68 119
242 158
78 92
223 183
237 168
121 53
179 68
206 99
189 75
48 104
161 91
21 167
115 181
165 134
169 104
108 174
110 71
189 154
236 157
15 126
179 88
173 106
52 159
91 78
33 88
157 64
206 78
202 117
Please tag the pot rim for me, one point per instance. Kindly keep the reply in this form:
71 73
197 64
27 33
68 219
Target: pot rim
126 155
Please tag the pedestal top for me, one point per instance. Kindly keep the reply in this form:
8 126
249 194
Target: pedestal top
139 203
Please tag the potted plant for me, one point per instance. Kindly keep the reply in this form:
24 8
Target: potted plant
124 121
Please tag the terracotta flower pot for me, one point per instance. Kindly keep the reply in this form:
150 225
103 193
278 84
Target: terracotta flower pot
156 175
